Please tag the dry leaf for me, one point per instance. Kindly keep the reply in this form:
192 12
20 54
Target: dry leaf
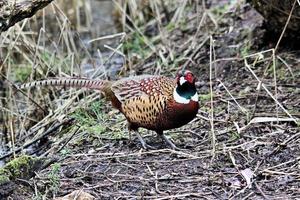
77 195
248 175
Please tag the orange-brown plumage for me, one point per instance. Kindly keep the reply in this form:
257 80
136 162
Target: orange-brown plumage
153 102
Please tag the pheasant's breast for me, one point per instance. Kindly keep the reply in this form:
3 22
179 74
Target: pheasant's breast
176 115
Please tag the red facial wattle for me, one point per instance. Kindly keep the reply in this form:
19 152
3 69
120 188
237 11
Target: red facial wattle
189 77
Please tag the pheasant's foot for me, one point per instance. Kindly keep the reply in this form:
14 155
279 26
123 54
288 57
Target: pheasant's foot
169 142
142 141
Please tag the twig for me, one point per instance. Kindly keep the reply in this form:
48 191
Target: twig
269 93
261 192
63 146
213 135
274 51
66 121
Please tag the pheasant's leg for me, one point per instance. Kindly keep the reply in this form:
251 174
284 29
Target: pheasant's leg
130 137
169 142
142 141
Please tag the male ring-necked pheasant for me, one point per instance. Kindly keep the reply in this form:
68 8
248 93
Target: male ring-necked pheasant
153 102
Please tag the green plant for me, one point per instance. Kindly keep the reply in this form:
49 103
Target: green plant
234 135
245 49
220 10
135 44
38 196
65 152
53 177
205 97
22 72
170 26
96 122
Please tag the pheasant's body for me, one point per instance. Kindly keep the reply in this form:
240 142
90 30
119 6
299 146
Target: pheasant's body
146 101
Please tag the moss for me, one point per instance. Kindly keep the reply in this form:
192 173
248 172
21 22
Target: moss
4 176
18 167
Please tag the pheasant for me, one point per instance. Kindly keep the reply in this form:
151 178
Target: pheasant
152 102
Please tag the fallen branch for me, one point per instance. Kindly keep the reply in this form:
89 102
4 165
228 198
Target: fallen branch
13 11
27 144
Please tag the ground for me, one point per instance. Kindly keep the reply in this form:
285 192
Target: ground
244 143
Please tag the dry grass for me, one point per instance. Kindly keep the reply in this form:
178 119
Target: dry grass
244 144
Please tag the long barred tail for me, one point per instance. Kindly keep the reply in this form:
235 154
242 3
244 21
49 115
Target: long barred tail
78 83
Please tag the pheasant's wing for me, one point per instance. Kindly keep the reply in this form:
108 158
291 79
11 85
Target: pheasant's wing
146 85
144 98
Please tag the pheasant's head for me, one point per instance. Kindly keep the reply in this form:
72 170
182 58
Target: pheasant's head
185 76
185 91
